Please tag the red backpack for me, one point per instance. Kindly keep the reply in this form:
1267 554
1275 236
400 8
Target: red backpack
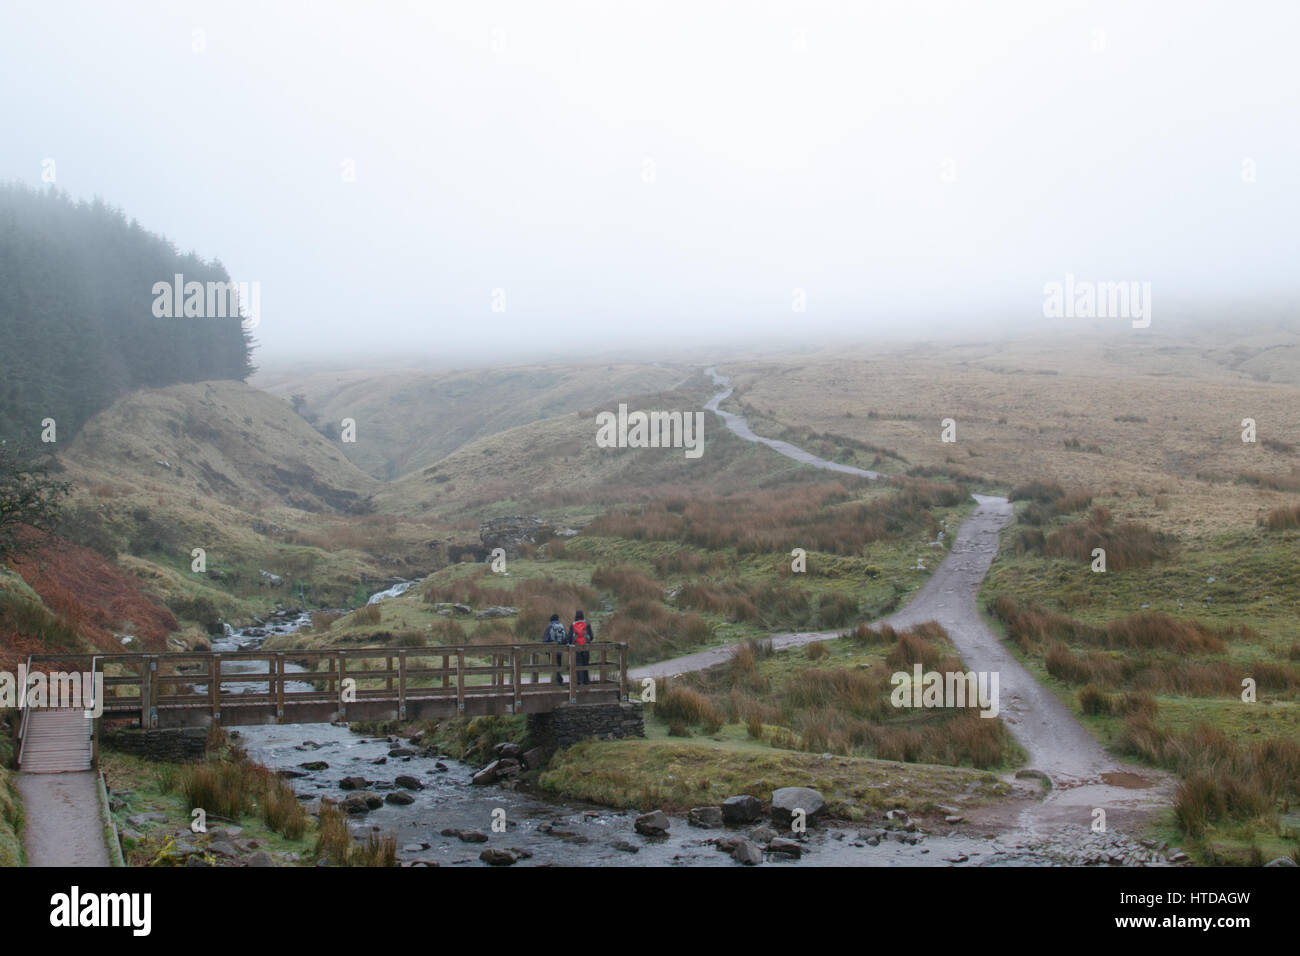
580 632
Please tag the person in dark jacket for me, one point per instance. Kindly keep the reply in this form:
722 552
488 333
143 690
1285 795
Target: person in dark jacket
555 635
580 635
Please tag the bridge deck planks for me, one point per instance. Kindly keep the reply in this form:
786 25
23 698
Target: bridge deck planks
57 741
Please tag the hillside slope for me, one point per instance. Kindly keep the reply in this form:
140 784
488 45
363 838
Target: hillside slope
225 440
407 420
556 464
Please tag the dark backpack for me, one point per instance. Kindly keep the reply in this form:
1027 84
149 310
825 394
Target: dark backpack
554 633
580 632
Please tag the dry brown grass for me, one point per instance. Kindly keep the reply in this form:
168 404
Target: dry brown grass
653 631
234 786
1224 779
334 842
822 517
1282 519
627 583
846 710
1128 544
1030 626
1159 408
685 706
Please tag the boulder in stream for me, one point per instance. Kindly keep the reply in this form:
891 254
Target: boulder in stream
355 803
708 818
785 847
654 823
496 770
741 809
748 853
787 800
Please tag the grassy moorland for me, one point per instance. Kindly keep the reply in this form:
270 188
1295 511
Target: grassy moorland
834 697
1127 443
677 574
409 420
1184 654
1132 445
660 772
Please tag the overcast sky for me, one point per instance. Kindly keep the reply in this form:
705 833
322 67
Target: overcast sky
664 171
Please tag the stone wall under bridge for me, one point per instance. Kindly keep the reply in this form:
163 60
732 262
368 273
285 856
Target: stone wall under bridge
569 723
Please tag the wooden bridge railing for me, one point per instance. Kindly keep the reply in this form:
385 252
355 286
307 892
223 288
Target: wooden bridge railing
148 684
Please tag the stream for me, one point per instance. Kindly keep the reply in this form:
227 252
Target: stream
546 832
553 833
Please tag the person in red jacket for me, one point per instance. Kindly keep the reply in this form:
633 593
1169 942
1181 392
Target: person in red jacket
580 635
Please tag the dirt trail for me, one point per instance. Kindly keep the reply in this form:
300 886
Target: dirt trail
62 823
1084 776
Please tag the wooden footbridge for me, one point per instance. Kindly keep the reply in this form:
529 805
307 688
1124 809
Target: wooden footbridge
196 689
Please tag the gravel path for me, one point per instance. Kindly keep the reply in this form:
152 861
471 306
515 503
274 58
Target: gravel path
62 825
1083 774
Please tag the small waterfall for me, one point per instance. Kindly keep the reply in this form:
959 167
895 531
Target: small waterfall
400 588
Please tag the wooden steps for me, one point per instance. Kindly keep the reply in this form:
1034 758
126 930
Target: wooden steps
57 741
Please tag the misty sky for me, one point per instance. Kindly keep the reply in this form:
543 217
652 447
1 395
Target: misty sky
908 165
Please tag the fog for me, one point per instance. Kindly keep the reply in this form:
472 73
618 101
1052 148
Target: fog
434 180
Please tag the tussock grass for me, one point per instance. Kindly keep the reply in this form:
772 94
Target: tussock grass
804 701
1281 519
1288 482
912 649
684 706
334 842
1093 700
627 583
231 786
363 616
653 631
1129 544
1031 626
481 590
1223 779
817 517
864 635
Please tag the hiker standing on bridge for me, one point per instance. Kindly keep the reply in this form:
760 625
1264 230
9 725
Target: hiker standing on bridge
580 635
555 635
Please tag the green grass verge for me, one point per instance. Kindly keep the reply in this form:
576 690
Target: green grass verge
676 775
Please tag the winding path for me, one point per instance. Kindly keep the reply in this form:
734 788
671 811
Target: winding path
1083 774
